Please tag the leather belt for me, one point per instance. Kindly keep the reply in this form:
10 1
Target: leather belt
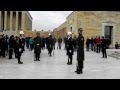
37 44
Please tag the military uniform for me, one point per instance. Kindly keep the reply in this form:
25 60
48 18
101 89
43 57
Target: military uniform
18 49
70 50
23 44
80 53
37 48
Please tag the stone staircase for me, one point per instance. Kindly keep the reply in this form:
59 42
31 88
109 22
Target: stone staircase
115 55
9 33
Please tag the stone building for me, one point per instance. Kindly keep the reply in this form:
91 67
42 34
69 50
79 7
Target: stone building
61 31
14 21
95 23
33 33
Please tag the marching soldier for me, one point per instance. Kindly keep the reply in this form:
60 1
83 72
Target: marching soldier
50 44
37 47
70 48
80 51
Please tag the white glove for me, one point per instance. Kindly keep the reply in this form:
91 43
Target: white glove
20 49
70 51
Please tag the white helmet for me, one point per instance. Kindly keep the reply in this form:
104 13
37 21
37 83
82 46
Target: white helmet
49 34
21 32
69 33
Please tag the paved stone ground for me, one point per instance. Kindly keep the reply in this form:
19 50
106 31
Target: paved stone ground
56 67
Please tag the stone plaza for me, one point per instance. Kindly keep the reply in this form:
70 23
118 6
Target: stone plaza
56 67
95 67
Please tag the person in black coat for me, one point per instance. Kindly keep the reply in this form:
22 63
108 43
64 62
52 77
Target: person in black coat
116 45
43 43
104 46
3 46
54 43
6 43
0 45
50 44
75 43
65 42
80 51
22 43
70 48
92 43
59 42
27 42
11 46
18 49
37 47
87 44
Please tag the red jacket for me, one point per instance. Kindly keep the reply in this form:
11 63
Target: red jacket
98 41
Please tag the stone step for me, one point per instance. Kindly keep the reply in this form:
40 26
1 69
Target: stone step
9 33
115 53
115 56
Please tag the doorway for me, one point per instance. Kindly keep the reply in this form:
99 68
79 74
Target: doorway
109 33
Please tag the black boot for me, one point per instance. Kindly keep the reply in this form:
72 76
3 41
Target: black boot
76 70
80 71
68 62
38 59
20 62
50 54
71 62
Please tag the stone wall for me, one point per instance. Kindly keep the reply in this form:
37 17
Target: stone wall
61 31
92 22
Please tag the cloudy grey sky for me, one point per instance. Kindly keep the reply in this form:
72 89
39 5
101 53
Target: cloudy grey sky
48 20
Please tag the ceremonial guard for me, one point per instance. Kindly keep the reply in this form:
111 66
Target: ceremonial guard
22 41
37 47
70 48
18 49
80 51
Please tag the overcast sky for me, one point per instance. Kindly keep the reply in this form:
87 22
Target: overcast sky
48 20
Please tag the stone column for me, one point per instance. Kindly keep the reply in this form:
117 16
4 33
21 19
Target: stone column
23 20
0 20
16 26
11 20
5 20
